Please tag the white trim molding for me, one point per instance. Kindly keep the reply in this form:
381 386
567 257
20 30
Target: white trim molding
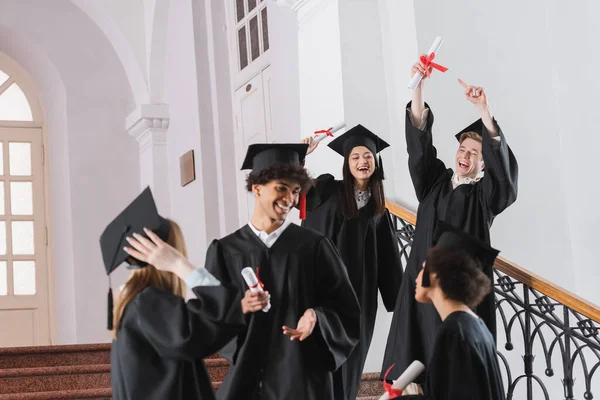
148 125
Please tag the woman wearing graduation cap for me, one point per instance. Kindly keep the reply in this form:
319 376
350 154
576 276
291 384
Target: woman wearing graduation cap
159 339
483 184
352 214
464 364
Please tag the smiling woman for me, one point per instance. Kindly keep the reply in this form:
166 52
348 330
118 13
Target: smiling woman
352 213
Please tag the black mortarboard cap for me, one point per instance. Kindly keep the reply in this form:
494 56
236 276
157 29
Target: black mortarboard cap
451 238
261 156
359 136
140 214
476 127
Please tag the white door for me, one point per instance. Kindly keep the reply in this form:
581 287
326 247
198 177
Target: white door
24 301
253 125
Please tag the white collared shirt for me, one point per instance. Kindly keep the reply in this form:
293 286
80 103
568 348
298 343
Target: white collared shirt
457 180
270 239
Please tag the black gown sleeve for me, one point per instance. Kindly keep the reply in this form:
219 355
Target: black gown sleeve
389 262
501 172
455 372
216 265
424 166
323 188
187 331
337 308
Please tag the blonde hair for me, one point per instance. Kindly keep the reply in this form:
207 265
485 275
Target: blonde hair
151 277
471 135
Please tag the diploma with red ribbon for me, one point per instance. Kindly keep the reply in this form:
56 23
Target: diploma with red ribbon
254 284
322 134
428 62
409 375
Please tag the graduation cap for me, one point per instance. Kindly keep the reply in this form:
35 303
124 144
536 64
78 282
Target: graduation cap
476 127
454 239
140 214
359 136
261 156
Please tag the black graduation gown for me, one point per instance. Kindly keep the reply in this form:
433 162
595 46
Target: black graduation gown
301 270
369 249
161 341
464 364
471 207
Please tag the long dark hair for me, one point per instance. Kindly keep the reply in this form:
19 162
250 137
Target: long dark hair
349 208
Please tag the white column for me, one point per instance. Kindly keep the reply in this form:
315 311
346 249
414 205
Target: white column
148 125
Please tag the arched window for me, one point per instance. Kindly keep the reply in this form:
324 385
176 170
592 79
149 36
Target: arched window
24 292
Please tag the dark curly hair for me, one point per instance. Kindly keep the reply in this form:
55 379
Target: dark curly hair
280 171
459 275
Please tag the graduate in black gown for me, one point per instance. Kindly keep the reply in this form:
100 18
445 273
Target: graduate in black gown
464 364
312 326
352 214
483 185
159 339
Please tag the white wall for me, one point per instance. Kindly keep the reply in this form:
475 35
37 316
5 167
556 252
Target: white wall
181 90
88 98
545 229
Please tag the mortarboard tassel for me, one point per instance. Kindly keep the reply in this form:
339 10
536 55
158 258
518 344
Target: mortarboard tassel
303 206
109 324
380 170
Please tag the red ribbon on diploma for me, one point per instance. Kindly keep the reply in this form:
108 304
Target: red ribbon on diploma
325 131
392 393
427 60
259 281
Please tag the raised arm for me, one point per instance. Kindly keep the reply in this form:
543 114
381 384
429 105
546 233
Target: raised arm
500 182
424 166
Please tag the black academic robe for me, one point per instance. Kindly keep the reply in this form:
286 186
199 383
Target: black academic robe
369 249
464 364
471 207
301 270
161 341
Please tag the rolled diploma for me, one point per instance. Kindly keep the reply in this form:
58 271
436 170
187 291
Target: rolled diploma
252 282
318 138
433 49
409 375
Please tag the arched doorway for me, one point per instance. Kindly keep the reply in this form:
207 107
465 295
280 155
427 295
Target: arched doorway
25 298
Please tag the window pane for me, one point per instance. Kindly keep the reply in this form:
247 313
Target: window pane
21 198
2 237
1 198
22 237
3 77
239 6
251 5
24 277
14 105
243 50
265 28
19 157
254 38
3 279
1 158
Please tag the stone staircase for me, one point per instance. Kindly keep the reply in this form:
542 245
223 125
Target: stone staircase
83 372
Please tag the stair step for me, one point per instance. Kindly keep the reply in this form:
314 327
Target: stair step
96 394
52 356
47 371
370 385
52 381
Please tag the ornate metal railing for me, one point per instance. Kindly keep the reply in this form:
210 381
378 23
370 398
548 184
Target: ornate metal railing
559 327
